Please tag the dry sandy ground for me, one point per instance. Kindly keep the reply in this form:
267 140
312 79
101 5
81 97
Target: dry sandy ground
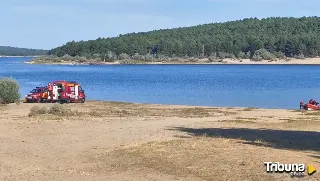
122 141
292 61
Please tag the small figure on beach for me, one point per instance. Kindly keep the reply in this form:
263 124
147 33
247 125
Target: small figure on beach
302 105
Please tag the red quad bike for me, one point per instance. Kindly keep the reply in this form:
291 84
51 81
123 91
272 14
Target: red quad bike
311 105
39 94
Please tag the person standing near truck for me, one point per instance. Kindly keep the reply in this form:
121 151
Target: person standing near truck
50 89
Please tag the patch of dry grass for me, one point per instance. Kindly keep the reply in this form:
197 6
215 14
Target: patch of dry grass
56 110
203 157
114 103
298 110
241 120
238 121
307 113
312 113
146 110
139 110
300 123
3 107
247 118
188 112
289 123
268 117
36 110
249 109
307 119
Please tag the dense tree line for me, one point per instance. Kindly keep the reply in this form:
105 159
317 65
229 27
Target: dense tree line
247 38
13 51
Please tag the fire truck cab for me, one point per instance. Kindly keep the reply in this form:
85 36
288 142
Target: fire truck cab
66 92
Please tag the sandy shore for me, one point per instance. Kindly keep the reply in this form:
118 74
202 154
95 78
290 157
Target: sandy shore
307 61
122 141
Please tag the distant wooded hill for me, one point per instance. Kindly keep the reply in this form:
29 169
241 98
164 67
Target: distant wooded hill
13 51
247 38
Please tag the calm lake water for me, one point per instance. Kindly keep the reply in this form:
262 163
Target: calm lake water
264 86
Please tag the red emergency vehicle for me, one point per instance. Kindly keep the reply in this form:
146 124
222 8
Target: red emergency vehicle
39 94
66 92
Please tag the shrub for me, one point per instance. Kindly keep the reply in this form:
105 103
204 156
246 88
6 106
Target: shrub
256 57
136 56
280 55
111 56
229 55
36 110
221 55
175 58
60 110
241 55
212 58
57 61
96 56
9 91
248 55
300 56
148 57
213 54
161 57
57 110
193 59
263 54
124 56
67 57
82 59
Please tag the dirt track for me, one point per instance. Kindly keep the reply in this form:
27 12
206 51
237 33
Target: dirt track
120 141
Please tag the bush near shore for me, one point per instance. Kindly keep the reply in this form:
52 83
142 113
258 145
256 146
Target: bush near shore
9 91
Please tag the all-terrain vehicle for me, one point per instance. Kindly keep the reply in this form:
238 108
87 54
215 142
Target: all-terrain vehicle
311 105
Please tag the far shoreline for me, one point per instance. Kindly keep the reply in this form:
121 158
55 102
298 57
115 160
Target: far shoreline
293 61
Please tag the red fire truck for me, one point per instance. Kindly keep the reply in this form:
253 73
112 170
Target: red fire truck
65 92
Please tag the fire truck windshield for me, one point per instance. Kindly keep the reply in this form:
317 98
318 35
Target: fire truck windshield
35 91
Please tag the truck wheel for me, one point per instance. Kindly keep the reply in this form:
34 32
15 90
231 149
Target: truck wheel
68 101
39 100
83 100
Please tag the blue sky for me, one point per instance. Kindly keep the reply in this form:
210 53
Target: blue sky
47 24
